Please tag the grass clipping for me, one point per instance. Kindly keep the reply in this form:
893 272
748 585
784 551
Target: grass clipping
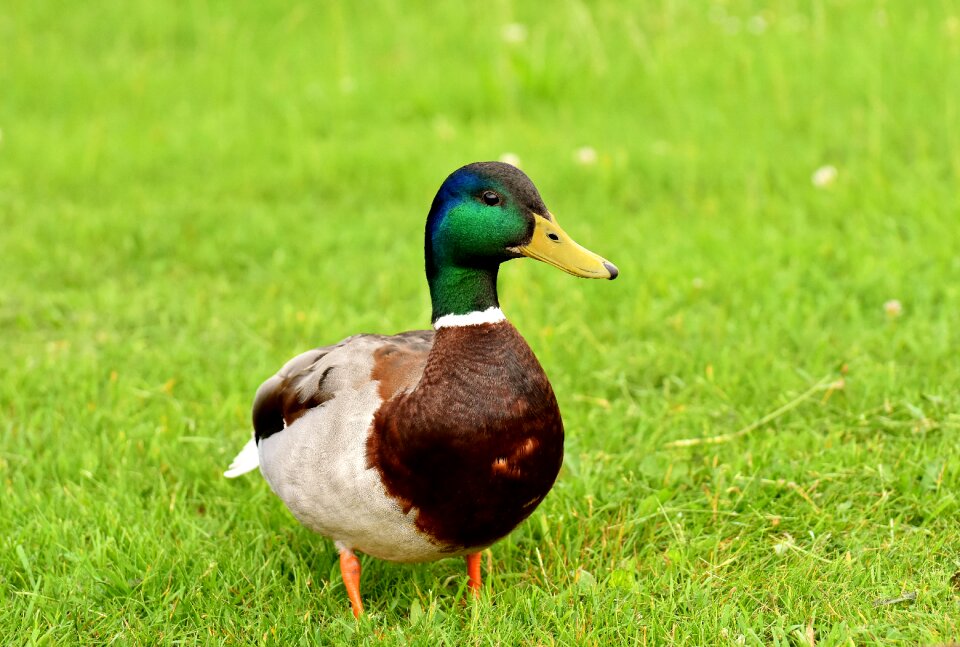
826 385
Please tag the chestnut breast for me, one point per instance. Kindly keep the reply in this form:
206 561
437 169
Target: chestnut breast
476 446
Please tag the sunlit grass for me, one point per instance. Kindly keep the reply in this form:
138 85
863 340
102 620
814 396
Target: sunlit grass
189 195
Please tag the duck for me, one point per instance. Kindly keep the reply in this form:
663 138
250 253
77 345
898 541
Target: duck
436 443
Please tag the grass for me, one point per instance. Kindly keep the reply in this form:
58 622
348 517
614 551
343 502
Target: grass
190 194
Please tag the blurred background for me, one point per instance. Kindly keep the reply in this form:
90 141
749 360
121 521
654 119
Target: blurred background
190 193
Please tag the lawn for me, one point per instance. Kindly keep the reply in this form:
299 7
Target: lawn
761 412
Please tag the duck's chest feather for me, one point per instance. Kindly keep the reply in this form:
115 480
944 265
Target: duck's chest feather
477 444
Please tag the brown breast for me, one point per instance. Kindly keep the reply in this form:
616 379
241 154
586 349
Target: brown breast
478 443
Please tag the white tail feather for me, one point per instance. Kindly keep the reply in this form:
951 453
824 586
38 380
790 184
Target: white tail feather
246 461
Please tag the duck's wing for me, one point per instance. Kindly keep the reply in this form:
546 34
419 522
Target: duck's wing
316 376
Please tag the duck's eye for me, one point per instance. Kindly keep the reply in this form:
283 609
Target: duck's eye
490 198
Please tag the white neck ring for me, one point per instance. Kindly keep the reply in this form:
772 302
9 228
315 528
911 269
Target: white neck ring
491 315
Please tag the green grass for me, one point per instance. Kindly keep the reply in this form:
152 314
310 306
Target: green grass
192 193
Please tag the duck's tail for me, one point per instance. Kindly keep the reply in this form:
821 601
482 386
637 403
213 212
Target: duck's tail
246 461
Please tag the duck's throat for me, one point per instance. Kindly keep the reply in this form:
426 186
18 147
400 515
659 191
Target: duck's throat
462 290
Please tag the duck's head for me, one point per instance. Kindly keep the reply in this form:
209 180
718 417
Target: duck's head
487 213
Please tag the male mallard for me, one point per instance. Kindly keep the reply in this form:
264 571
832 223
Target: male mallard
430 443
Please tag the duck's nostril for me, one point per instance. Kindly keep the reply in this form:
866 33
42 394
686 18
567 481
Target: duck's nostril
553 237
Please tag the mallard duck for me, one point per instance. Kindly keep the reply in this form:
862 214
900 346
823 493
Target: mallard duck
431 443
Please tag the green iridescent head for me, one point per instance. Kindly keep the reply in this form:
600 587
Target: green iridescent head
486 213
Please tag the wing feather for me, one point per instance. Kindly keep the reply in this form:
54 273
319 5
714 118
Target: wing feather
314 377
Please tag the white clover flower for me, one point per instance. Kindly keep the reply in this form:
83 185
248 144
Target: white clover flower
510 158
514 33
893 308
586 155
781 547
824 176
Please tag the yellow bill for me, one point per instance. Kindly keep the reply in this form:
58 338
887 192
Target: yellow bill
553 246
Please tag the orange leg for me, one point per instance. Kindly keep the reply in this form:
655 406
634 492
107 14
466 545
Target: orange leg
350 570
473 571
